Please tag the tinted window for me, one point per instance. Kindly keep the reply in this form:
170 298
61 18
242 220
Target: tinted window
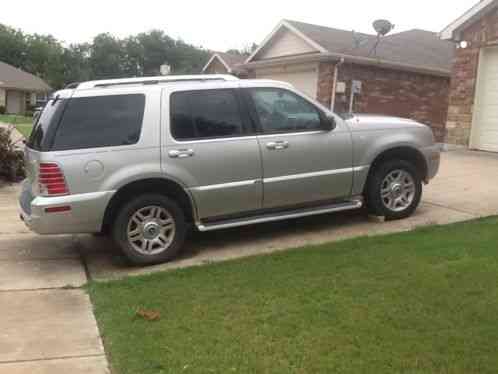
205 114
283 111
101 121
46 124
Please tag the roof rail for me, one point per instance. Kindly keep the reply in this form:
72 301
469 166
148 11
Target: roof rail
71 85
156 80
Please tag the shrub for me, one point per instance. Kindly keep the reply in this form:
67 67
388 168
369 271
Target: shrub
29 113
11 159
2 109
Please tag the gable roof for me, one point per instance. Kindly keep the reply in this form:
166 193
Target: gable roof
452 31
14 78
228 60
418 49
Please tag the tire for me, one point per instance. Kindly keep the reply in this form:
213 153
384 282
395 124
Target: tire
389 193
157 229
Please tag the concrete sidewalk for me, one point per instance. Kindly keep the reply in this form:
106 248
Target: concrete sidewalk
46 321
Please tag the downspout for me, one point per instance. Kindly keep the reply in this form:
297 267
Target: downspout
334 83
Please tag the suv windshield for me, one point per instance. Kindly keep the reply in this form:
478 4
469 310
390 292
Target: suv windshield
46 125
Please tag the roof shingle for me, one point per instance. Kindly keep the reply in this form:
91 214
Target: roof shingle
417 48
12 77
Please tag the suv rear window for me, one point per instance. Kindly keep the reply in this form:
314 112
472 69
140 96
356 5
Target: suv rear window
43 129
205 114
100 121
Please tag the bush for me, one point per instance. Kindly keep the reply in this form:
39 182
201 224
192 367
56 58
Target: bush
2 109
11 159
29 113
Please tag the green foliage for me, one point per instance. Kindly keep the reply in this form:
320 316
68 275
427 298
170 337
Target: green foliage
11 159
105 57
2 109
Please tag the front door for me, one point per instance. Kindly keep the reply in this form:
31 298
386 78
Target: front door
302 162
210 149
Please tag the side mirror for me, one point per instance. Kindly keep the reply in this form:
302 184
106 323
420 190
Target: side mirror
328 123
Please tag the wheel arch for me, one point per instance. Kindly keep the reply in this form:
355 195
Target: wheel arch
163 186
406 153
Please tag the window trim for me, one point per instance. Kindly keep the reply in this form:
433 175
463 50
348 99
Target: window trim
247 130
255 117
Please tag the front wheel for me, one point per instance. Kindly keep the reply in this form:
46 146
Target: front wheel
394 190
150 229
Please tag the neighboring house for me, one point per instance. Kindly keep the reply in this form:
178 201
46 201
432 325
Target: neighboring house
407 74
19 90
473 107
225 63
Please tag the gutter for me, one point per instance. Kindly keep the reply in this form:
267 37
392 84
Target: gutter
334 83
318 57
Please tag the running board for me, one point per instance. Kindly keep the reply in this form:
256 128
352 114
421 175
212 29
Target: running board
348 205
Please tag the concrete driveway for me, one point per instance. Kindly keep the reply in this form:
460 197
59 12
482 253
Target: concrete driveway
46 320
464 189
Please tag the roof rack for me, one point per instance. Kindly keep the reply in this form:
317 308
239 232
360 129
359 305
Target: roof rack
155 80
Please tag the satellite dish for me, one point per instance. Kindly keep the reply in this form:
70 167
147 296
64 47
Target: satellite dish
382 27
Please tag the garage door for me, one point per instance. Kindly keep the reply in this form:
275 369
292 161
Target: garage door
14 102
485 126
305 81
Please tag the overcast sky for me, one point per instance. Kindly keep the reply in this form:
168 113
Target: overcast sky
219 24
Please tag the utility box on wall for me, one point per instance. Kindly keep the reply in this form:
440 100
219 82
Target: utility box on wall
340 88
356 87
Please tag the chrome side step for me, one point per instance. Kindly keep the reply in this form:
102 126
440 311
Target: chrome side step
348 205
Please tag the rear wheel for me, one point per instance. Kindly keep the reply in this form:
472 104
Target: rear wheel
150 229
394 190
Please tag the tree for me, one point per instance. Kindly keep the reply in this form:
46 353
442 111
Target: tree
107 57
44 58
12 46
76 63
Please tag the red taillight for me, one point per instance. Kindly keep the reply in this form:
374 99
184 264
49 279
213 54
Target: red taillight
51 181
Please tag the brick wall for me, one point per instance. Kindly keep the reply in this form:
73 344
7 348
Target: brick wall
325 82
421 97
464 77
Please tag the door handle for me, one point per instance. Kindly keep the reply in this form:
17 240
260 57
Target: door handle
181 153
278 145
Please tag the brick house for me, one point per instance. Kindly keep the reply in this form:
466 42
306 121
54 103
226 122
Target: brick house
407 74
473 102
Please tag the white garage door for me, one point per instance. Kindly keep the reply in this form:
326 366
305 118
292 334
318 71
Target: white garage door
485 125
305 81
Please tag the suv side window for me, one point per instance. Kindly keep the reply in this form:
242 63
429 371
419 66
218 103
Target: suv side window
280 110
205 114
100 121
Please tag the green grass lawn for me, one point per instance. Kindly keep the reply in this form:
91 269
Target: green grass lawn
418 302
25 129
23 124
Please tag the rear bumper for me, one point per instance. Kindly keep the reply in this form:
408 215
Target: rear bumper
86 212
432 156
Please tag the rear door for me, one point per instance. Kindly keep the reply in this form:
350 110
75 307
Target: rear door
302 162
209 147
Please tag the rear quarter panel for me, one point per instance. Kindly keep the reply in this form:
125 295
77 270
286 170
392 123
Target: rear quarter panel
109 168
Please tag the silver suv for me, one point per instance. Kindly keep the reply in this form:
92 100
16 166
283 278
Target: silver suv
146 158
